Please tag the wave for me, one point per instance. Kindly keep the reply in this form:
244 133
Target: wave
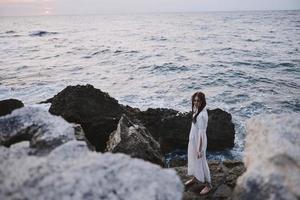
102 51
125 51
293 105
252 40
158 38
168 67
287 64
41 33
10 36
10 32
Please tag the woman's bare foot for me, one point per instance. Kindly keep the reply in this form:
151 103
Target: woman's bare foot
191 181
205 190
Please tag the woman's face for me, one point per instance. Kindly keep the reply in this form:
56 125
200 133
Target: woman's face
197 102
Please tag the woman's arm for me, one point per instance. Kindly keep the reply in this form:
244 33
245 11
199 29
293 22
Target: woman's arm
202 126
200 123
200 147
200 153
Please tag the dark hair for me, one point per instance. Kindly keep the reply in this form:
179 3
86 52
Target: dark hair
200 96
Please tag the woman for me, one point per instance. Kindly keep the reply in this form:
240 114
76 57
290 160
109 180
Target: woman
197 164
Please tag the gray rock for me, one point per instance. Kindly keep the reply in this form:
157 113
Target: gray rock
134 140
18 150
272 159
79 133
73 172
37 125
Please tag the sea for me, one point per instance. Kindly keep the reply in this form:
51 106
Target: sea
246 62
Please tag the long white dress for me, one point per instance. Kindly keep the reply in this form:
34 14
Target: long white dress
198 167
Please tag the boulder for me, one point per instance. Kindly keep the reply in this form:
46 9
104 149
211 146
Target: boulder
134 140
72 172
272 159
171 128
168 126
96 111
8 105
37 125
223 175
220 130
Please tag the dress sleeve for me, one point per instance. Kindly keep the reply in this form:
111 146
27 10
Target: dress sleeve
201 123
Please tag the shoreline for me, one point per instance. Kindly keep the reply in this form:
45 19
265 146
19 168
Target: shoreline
52 138
170 128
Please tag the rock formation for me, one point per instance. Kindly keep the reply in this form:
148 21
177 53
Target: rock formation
171 128
37 125
272 159
96 111
134 140
223 175
72 172
98 114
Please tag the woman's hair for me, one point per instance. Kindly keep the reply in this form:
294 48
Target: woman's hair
201 97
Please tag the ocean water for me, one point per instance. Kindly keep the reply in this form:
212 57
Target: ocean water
247 63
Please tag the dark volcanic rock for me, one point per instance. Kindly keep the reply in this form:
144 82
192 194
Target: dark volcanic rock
37 125
224 175
220 130
8 105
171 128
168 126
96 111
98 114
134 140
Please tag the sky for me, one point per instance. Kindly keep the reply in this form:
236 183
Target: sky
70 7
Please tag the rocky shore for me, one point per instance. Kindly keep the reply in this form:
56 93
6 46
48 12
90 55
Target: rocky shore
223 174
99 115
88 146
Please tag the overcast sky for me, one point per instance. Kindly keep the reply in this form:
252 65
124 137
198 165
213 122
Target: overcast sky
67 7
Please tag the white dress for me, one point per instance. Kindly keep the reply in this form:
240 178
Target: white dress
198 167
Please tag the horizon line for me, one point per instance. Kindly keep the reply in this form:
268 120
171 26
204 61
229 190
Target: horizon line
154 12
